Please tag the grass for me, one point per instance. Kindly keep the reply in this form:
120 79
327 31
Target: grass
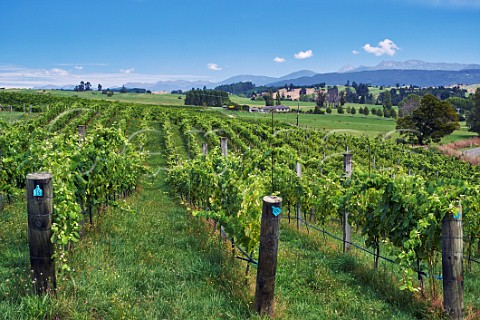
355 124
14 116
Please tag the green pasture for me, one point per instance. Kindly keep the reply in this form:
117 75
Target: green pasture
357 124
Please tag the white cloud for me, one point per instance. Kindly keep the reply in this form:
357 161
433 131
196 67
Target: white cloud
355 52
12 76
279 59
386 46
78 68
214 67
127 71
303 54
56 72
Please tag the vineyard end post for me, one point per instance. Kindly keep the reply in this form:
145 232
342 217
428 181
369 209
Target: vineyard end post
40 210
452 264
347 228
298 168
267 258
224 146
82 131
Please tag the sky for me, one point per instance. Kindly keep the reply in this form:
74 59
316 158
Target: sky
114 42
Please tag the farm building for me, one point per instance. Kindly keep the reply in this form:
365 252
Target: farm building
276 109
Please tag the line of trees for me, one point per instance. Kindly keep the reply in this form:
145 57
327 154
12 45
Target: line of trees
86 86
207 97
237 88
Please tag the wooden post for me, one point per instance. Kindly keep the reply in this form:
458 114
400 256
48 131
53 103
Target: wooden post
298 168
267 257
205 148
40 210
347 228
82 131
224 146
452 264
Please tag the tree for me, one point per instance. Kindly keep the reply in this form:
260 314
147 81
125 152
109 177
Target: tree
473 119
342 98
353 111
366 111
268 98
99 87
408 105
277 99
386 112
387 100
88 86
433 120
320 98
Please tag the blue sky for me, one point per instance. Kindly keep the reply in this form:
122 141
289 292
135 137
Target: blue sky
118 41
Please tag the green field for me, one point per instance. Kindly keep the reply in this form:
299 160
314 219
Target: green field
350 124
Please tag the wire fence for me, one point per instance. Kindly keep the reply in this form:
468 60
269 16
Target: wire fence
419 272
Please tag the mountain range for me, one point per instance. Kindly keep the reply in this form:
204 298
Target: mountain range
386 73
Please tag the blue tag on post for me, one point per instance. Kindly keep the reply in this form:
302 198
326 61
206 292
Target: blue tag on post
457 215
276 211
37 192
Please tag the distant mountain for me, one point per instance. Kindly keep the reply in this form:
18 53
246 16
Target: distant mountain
171 85
422 78
416 65
257 80
415 72
54 87
296 75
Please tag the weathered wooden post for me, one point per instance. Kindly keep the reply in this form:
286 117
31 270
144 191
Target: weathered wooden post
347 229
224 146
298 169
40 210
452 264
82 132
204 148
267 257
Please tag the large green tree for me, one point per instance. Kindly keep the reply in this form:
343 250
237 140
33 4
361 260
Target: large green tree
431 121
473 119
